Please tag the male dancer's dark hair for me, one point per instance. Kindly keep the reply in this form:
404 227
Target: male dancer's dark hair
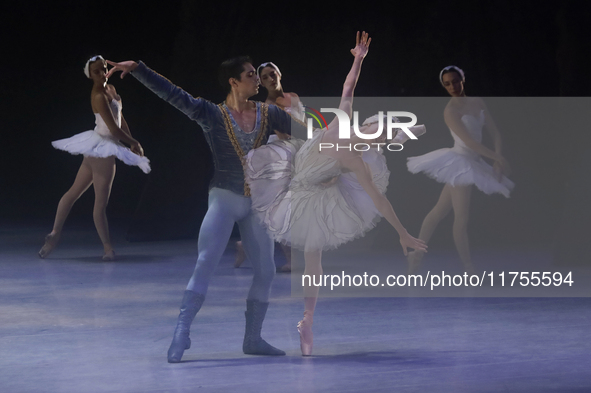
231 68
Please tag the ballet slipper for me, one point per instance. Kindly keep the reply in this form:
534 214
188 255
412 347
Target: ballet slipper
240 254
51 241
109 256
306 335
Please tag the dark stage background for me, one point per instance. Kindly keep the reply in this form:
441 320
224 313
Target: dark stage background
506 48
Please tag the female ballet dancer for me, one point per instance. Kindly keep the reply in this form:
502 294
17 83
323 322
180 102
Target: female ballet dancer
462 166
99 147
322 199
270 77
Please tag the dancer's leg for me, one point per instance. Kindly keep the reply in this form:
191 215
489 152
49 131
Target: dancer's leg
259 249
460 196
81 183
438 213
287 252
432 219
313 261
224 208
103 173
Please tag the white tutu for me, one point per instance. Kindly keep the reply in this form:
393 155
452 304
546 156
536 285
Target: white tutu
461 165
303 198
100 143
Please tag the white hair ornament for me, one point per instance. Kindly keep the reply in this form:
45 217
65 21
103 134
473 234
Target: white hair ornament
87 65
452 68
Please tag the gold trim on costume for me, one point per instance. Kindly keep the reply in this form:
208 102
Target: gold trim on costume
232 136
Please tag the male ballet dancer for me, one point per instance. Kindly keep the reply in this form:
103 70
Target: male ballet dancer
231 129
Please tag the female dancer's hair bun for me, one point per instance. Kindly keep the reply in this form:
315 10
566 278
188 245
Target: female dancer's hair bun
450 69
267 64
87 65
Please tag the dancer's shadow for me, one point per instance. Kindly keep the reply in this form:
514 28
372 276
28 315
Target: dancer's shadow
386 358
119 259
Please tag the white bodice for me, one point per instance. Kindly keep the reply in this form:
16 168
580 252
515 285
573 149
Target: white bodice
101 127
474 125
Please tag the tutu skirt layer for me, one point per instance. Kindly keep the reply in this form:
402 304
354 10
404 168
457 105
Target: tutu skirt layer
457 169
92 144
310 215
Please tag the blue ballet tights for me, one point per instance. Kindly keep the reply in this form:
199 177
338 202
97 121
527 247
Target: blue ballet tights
224 209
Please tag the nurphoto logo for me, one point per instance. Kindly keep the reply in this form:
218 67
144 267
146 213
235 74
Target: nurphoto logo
392 122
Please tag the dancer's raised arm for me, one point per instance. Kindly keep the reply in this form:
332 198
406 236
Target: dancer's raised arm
453 119
194 108
360 50
101 104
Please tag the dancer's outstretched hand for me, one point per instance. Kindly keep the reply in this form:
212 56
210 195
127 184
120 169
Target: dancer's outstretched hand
407 241
361 45
125 67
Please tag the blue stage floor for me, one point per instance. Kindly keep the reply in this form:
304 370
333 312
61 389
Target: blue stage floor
72 323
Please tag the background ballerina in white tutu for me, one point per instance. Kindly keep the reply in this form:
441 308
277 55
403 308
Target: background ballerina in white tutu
317 200
461 166
99 147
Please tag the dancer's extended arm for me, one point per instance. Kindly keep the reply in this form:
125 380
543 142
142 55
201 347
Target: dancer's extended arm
360 51
453 119
196 109
492 129
101 103
382 203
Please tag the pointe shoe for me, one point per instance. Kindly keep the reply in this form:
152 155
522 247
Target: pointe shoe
109 256
306 335
240 255
50 243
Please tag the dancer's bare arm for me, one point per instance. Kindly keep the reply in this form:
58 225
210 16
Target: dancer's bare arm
492 129
382 203
360 50
124 125
453 119
100 102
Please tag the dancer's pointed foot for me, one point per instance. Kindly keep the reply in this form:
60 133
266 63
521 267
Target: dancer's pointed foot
51 241
402 136
306 335
192 302
240 254
109 256
180 343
